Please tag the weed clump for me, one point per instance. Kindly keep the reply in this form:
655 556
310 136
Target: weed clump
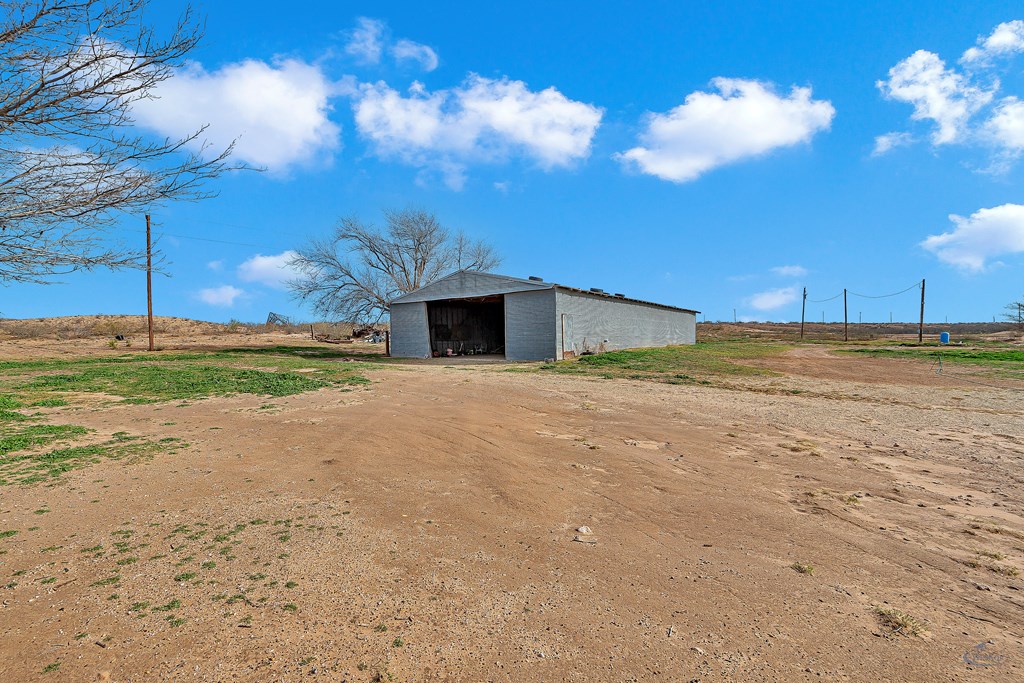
899 622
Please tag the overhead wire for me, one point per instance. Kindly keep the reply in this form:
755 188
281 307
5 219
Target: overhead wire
885 296
205 239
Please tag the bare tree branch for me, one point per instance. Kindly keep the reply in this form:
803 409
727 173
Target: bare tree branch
70 163
356 274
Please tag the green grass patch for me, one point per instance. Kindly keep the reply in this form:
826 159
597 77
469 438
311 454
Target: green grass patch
32 468
172 381
141 378
138 378
693 364
20 438
109 581
172 605
1005 362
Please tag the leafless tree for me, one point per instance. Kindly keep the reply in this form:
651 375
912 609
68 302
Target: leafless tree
71 164
1015 313
356 273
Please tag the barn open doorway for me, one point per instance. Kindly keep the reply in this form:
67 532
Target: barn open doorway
467 326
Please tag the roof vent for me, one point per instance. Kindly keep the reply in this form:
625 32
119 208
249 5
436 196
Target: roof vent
595 290
536 279
620 295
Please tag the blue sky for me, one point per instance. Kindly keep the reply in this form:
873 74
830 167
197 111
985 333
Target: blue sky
713 157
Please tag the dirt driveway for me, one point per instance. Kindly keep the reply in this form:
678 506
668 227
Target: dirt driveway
427 528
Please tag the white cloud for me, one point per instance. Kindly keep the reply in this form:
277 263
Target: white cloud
272 271
370 40
774 298
790 271
481 120
985 234
1005 39
746 118
938 94
962 111
224 296
890 141
1006 125
216 266
278 112
366 41
407 50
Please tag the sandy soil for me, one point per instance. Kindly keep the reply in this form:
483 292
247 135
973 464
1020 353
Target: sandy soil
430 522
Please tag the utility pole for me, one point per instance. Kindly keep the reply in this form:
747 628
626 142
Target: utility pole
920 327
734 315
846 319
149 280
803 309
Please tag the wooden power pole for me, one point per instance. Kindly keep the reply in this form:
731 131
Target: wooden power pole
149 280
803 309
846 319
920 326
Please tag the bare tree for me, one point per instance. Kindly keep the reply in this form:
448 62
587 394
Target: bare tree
355 274
1015 313
70 162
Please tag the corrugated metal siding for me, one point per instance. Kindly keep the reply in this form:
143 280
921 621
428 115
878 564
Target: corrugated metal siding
530 325
623 324
467 284
409 335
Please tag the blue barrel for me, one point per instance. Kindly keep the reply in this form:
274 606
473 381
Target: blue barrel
944 337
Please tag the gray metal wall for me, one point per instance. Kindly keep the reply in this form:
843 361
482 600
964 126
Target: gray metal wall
530 325
624 324
410 337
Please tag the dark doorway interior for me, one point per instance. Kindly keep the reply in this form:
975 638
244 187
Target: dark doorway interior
467 326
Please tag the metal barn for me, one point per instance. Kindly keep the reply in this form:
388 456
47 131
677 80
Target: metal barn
481 313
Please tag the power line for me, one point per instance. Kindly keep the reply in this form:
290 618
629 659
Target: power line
885 296
207 239
821 301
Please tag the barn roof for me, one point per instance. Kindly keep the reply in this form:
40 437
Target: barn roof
468 284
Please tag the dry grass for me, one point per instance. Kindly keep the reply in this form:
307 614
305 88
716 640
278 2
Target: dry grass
899 622
129 326
102 326
802 446
802 568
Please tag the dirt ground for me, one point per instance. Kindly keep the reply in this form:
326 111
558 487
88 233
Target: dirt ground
426 528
